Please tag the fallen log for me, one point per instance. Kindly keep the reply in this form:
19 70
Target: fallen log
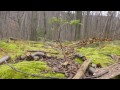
4 59
114 70
82 70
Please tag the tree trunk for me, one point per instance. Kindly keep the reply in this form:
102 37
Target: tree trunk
45 28
33 35
78 27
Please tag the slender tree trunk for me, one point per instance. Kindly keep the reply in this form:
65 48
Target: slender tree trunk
78 27
45 28
33 35
86 25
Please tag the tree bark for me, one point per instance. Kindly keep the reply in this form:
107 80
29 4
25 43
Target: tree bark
78 27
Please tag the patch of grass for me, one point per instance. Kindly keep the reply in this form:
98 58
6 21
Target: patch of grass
33 67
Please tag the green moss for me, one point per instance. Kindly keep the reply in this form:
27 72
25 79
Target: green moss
79 60
93 45
33 67
96 51
98 54
111 49
19 48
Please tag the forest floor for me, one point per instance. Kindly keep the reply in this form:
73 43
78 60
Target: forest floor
53 63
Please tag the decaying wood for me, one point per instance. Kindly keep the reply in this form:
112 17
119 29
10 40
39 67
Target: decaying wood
82 70
4 59
114 70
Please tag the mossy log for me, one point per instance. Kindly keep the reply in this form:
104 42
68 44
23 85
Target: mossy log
80 73
2 60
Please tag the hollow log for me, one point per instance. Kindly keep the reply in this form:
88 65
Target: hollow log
80 73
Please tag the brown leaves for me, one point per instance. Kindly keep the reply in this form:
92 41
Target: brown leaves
83 43
68 67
